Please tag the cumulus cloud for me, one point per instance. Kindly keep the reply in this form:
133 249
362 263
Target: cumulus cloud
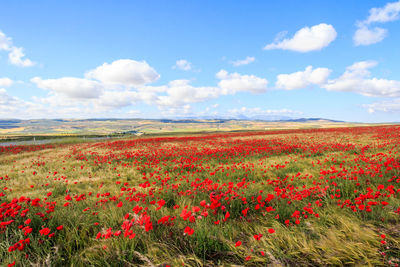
109 86
365 35
9 105
302 79
16 55
123 83
112 99
356 79
390 12
125 72
117 99
241 62
71 87
384 106
5 42
180 92
232 83
177 111
57 105
183 64
109 104
306 39
14 107
268 113
6 82
6 99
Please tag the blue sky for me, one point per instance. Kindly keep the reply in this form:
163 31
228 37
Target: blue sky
156 59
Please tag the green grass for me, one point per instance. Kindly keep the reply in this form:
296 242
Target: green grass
339 236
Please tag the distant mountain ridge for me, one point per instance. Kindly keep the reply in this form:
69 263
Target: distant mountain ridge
312 119
115 126
255 118
200 119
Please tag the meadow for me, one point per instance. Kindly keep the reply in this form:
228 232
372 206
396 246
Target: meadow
303 197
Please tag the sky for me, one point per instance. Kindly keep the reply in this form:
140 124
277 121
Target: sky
173 59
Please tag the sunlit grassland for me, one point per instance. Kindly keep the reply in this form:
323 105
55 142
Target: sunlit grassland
306 166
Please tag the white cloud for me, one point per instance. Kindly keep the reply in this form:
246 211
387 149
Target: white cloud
180 92
123 83
124 72
384 106
119 99
16 55
355 79
6 82
60 106
307 39
183 64
245 61
232 83
5 42
252 112
389 12
364 35
71 87
14 107
360 68
110 91
178 111
302 79
6 99
109 104
153 89
58 100
133 112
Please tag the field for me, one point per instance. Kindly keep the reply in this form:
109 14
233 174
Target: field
303 197
73 127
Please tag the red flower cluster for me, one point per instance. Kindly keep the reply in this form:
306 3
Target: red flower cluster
213 177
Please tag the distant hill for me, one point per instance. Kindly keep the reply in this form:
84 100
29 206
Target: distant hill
312 120
8 121
244 118
107 126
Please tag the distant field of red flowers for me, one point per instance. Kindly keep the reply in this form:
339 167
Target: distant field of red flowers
281 198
